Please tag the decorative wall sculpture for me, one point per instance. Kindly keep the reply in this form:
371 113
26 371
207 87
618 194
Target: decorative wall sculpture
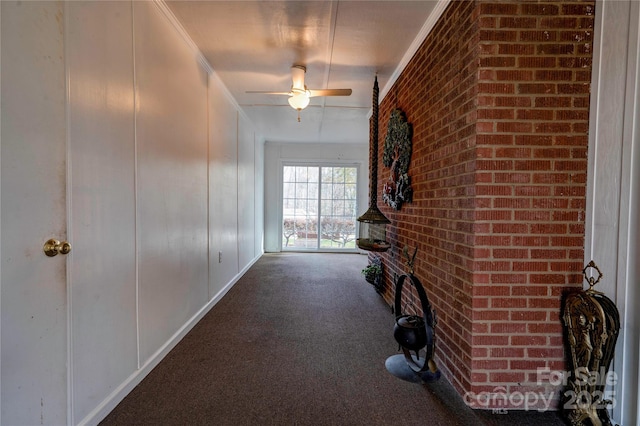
397 156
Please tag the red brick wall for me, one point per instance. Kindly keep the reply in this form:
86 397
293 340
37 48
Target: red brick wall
498 98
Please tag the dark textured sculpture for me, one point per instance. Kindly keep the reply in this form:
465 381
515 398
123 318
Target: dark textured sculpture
397 156
591 323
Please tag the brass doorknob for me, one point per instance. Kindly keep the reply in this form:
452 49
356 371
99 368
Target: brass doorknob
53 247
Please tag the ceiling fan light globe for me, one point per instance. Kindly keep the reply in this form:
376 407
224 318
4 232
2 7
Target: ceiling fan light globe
299 100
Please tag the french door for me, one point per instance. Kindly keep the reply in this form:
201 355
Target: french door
319 207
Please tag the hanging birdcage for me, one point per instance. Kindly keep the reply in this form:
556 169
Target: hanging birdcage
372 232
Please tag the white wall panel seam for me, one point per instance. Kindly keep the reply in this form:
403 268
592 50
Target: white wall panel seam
0 228
279 194
238 225
136 105
209 265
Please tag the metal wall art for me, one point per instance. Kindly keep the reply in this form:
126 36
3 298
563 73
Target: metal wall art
397 156
591 323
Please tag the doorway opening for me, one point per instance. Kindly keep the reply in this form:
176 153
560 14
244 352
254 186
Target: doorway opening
319 205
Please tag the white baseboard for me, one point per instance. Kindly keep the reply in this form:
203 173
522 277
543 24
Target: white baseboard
109 403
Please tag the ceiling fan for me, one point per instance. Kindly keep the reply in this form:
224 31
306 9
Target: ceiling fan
299 95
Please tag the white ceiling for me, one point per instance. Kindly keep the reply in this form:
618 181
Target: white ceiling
252 45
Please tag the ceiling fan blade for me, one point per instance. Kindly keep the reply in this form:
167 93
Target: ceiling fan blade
331 92
268 93
297 77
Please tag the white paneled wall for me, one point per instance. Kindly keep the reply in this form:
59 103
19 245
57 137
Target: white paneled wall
163 175
102 276
258 195
246 184
171 138
223 179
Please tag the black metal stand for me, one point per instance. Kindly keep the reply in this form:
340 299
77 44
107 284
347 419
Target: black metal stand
418 367
397 365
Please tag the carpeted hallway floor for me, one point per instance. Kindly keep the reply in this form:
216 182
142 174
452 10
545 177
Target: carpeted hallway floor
301 339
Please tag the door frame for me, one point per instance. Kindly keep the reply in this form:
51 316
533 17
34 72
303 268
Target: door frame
612 225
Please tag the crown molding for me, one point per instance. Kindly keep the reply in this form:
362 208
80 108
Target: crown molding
431 21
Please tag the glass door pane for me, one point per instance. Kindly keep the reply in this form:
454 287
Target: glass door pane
300 207
338 207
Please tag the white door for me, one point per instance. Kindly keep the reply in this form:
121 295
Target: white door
69 335
33 294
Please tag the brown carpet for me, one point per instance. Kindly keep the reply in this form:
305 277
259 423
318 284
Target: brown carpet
301 339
